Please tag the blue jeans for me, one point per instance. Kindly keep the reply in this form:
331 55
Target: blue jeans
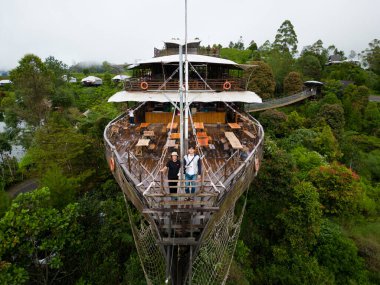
190 181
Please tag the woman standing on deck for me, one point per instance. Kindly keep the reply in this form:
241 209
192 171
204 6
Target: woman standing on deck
174 165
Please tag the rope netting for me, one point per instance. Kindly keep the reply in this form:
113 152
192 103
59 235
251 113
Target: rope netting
214 258
151 257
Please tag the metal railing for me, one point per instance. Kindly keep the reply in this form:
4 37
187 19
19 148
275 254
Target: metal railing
237 84
153 190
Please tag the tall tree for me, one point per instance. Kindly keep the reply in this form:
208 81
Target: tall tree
260 79
266 46
281 64
372 56
33 87
293 83
339 189
310 66
286 38
34 236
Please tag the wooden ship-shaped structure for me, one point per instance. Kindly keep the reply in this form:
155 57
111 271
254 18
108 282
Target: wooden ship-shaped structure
185 98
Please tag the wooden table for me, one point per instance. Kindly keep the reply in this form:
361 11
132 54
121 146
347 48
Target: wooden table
175 136
171 143
199 125
148 134
234 126
252 136
234 141
173 126
201 134
202 138
140 144
144 125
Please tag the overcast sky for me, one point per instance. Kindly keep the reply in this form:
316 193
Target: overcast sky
122 31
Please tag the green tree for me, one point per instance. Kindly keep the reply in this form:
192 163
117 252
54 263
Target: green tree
62 189
286 38
266 46
107 254
260 79
59 144
301 218
236 55
274 121
355 100
333 86
306 160
372 119
58 69
326 144
317 50
33 87
347 71
281 64
62 98
309 66
5 200
34 236
293 83
340 255
372 56
339 189
333 115
295 120
252 46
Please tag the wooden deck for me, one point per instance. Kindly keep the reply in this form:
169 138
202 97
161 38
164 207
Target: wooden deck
223 153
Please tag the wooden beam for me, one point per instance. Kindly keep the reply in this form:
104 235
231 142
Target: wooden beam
179 210
178 241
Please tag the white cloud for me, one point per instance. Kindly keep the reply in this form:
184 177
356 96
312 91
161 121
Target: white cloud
121 31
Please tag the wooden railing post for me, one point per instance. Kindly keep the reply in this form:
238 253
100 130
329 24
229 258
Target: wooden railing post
129 161
162 182
202 181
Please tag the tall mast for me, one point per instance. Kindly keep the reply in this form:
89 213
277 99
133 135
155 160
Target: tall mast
181 142
186 83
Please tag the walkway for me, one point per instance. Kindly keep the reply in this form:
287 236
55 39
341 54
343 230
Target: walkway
374 98
280 102
23 187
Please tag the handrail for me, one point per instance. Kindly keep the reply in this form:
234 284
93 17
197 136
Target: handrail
150 183
194 84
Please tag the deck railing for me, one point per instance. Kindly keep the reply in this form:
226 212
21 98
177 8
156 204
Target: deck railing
151 189
236 84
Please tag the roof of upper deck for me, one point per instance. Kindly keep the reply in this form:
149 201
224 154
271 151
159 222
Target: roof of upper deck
192 58
193 96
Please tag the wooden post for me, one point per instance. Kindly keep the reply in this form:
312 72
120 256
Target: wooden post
129 161
162 183
202 181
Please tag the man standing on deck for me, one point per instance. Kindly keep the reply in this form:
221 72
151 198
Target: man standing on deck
174 165
193 169
131 117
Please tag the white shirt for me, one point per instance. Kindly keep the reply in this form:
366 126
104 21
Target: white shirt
191 168
131 113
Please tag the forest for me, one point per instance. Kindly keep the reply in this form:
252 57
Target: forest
312 215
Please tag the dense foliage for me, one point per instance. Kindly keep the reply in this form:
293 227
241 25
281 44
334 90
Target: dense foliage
312 215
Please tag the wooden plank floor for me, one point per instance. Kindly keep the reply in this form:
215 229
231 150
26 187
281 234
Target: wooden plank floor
125 138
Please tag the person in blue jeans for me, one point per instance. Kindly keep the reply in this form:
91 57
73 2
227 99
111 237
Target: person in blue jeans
193 169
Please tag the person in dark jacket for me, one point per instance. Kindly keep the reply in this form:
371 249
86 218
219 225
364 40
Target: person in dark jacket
174 165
